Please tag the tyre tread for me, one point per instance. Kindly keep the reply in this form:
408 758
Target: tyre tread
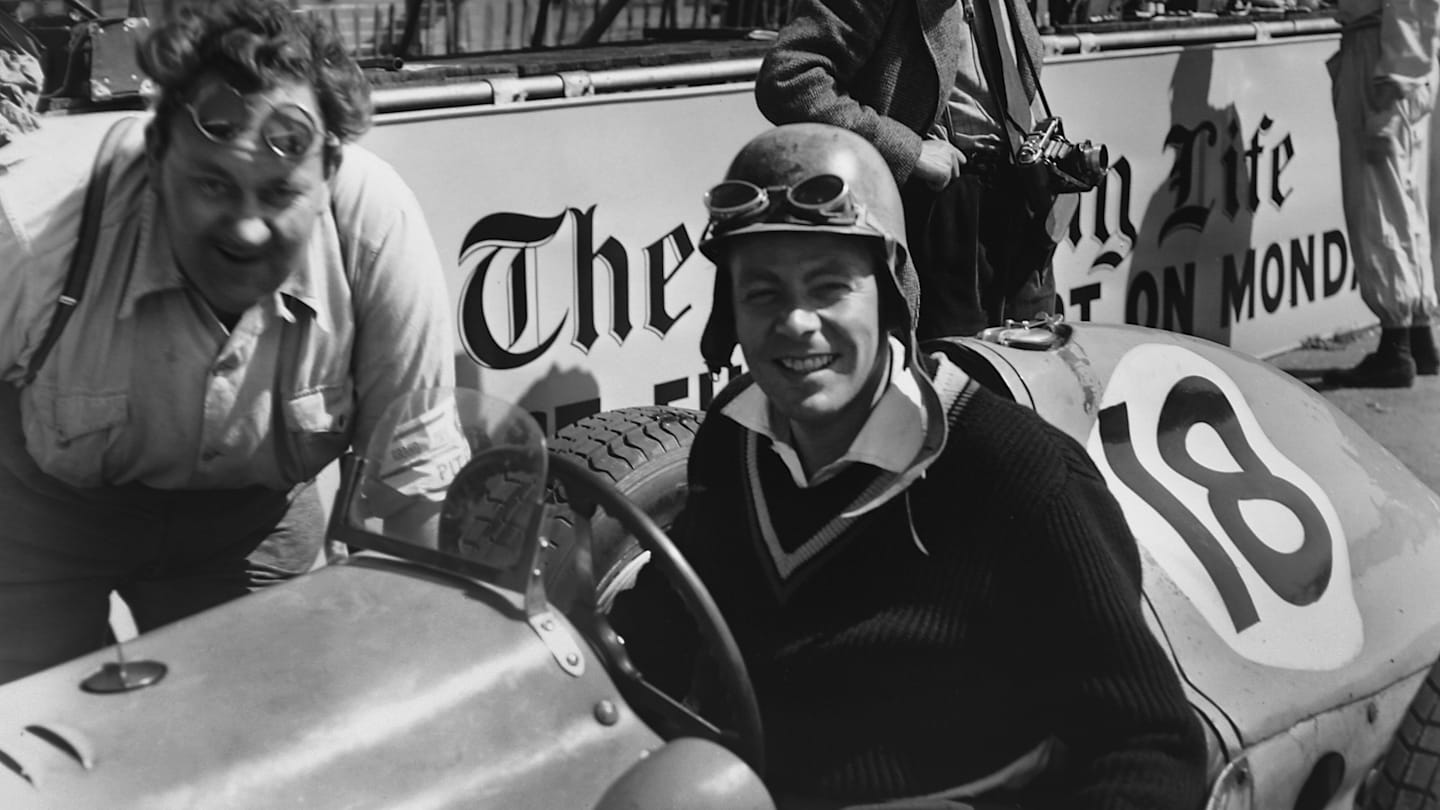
616 443
1408 778
637 449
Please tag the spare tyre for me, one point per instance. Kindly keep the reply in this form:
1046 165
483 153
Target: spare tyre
643 451
1408 778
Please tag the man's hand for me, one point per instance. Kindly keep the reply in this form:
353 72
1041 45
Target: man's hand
1383 120
979 153
1385 92
939 163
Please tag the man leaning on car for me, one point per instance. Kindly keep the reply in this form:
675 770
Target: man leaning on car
261 289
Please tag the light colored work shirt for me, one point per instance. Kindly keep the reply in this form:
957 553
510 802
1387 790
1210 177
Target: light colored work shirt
145 385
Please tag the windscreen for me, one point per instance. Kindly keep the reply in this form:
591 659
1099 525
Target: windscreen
454 471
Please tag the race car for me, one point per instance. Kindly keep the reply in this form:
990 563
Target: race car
1289 566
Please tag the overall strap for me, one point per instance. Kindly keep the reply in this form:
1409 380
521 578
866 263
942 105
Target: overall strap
84 255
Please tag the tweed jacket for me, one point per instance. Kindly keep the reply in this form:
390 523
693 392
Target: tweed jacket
881 68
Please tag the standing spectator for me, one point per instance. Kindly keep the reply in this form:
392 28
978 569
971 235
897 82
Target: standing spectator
876 69
1001 226
1383 93
261 290
882 69
1428 362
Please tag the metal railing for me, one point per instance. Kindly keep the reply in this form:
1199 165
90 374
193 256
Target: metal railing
450 27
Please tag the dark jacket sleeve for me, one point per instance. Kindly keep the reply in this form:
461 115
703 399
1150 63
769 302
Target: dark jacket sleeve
810 75
1131 739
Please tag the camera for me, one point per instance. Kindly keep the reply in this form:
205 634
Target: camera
1058 166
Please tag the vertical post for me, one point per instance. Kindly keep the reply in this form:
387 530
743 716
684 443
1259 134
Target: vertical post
359 36
467 40
429 18
488 21
390 29
1040 10
542 21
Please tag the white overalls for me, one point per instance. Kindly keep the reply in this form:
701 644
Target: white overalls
1383 153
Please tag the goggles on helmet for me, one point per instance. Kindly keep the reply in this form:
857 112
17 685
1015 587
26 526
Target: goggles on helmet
824 199
222 114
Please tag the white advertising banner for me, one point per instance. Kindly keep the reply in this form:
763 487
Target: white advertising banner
1221 214
572 229
571 225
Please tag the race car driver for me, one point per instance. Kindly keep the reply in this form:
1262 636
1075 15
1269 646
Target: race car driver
937 598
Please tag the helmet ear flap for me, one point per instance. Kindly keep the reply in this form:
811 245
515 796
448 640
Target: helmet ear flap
717 341
899 288
792 155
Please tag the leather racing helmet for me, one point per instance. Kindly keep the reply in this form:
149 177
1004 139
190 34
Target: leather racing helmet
804 178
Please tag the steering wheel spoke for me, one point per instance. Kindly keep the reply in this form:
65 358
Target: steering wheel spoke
680 720
747 739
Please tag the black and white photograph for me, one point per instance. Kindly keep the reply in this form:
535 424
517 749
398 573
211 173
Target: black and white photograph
719 405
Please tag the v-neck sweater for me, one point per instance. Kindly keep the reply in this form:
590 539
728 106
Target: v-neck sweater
886 671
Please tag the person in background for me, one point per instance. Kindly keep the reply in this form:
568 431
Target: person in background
875 69
883 70
1432 202
994 219
1383 92
261 289
936 596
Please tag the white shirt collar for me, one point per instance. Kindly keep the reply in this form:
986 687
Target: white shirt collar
890 438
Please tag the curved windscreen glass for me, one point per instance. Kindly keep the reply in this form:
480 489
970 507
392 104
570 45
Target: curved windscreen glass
454 471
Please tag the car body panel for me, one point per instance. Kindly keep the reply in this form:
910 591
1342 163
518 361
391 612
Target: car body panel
1387 557
379 683
368 684
1336 746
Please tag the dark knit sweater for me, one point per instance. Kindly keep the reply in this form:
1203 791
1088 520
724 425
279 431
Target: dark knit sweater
883 671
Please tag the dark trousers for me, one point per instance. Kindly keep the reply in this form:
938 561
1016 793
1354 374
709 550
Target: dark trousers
981 257
169 554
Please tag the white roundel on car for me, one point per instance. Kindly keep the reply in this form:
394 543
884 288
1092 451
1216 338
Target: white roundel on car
1249 537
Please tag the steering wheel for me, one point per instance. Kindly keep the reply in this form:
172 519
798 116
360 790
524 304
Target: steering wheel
585 490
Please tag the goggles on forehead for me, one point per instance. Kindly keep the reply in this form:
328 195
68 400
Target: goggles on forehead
823 199
222 114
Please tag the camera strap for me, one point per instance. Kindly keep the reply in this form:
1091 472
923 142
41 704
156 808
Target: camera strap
1007 71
